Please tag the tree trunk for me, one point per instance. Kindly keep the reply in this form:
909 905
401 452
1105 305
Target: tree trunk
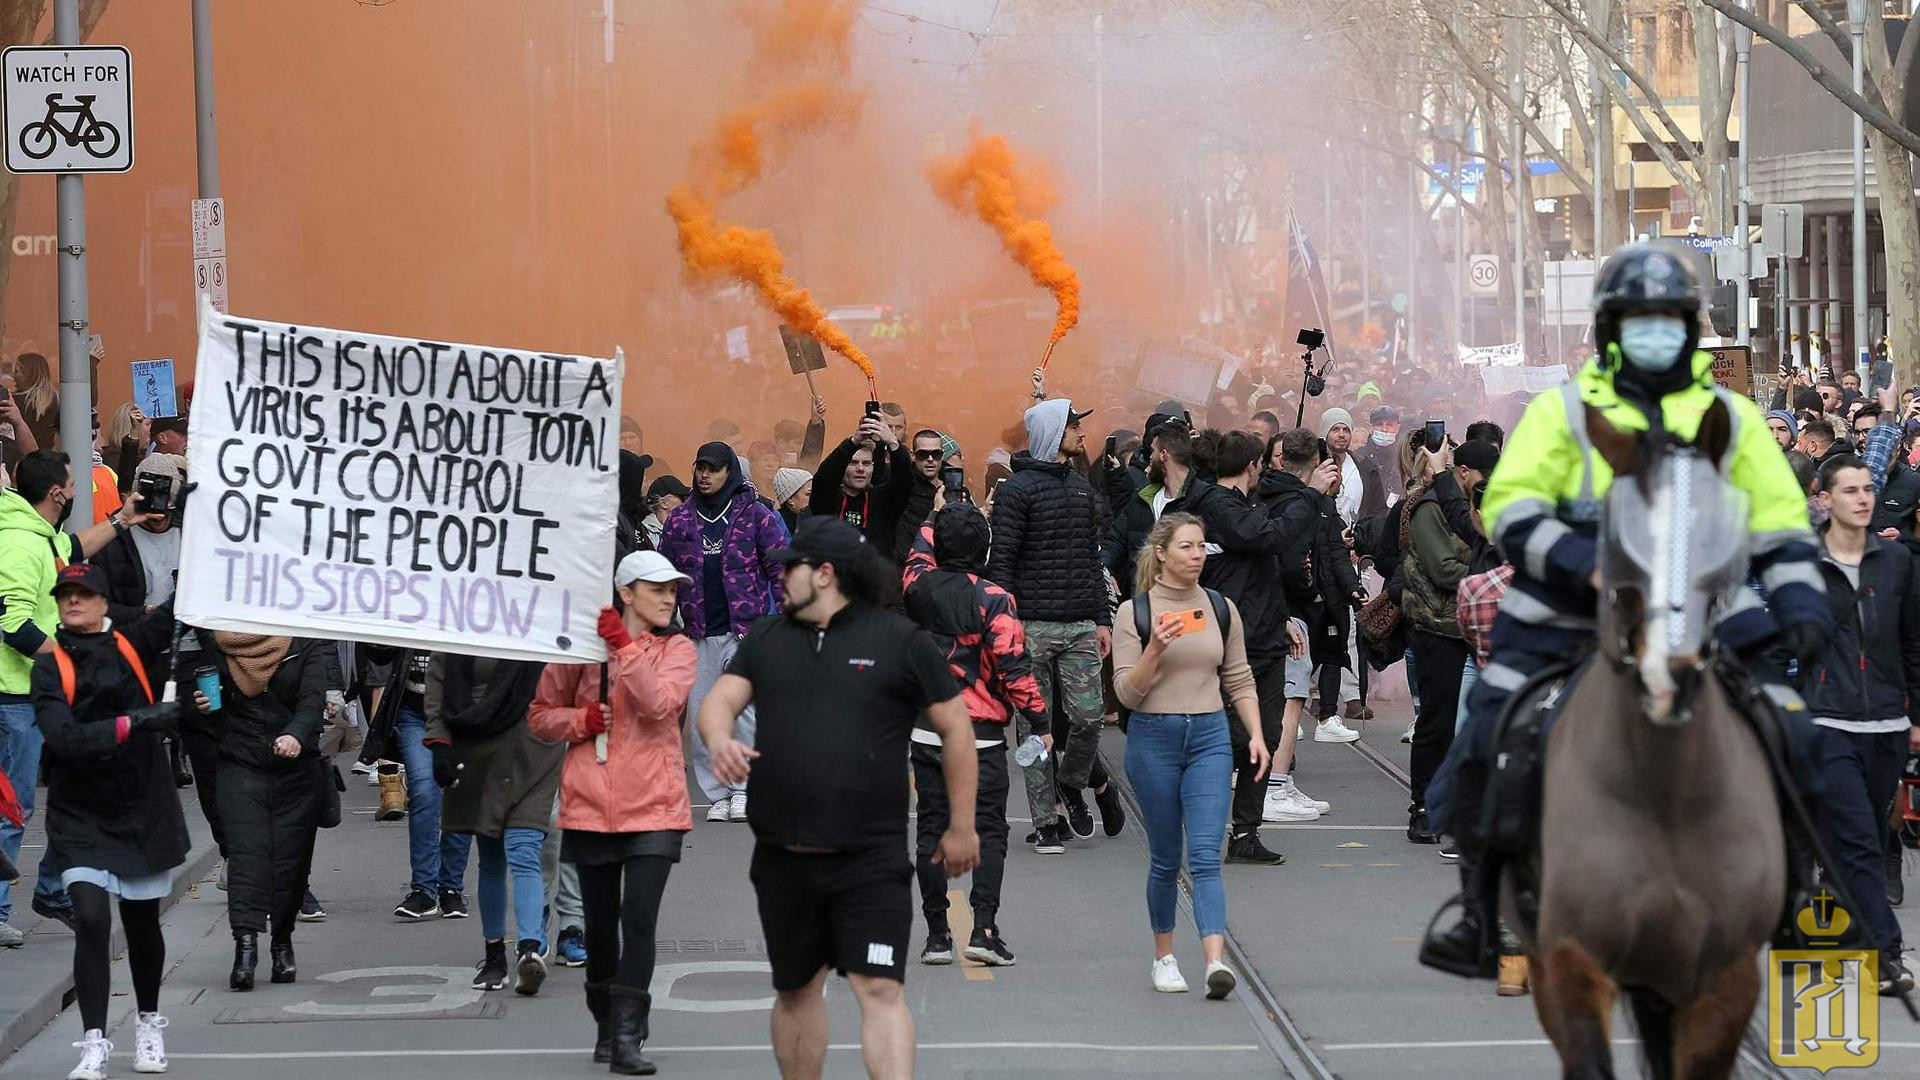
1900 240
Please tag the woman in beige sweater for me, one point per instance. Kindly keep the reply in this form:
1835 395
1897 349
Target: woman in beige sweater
1179 745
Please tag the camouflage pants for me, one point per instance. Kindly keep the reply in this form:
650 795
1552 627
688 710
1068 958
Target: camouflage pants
1066 661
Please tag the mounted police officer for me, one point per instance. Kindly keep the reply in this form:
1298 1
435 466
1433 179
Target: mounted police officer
1542 506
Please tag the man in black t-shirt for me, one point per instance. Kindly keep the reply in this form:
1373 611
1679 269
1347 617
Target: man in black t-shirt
837 681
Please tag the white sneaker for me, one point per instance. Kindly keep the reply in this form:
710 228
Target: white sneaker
149 1047
1332 730
1300 796
1281 805
737 808
94 1049
1220 980
1407 735
720 810
1166 975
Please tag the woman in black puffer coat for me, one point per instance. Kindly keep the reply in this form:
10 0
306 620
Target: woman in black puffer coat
273 697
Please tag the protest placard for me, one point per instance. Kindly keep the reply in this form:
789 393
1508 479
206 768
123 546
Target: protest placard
1508 355
153 389
1501 381
400 491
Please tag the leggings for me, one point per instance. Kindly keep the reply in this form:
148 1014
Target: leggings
93 951
622 906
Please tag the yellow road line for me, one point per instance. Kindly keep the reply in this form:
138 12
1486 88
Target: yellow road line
960 918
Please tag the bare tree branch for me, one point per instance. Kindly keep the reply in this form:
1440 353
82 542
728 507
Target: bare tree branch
1833 84
1472 66
1654 103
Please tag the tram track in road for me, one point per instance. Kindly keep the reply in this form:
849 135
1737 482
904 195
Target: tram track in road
1276 1026
1753 1048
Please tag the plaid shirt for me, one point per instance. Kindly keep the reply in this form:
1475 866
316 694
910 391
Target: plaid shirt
1879 447
1478 598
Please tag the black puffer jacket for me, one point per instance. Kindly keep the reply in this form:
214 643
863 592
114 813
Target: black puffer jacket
1899 498
914 514
1133 519
1047 526
1319 575
1246 569
110 805
1871 669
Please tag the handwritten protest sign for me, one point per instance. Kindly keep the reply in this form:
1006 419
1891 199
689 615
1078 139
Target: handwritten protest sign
400 491
153 388
1511 354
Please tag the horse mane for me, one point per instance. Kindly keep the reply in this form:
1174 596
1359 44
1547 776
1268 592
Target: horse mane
1629 454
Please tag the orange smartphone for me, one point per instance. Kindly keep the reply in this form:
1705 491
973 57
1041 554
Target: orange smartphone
1189 621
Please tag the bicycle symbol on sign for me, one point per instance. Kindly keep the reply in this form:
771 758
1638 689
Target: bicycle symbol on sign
100 138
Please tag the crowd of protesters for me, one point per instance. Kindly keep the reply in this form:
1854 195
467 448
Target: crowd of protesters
803 606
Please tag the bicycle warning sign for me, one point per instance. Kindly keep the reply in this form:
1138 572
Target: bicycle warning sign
68 108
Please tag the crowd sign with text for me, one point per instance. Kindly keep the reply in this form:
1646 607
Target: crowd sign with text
68 108
400 491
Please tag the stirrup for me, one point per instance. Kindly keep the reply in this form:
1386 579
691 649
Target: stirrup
1486 962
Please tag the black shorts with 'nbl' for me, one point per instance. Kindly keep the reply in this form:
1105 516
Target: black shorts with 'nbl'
849 910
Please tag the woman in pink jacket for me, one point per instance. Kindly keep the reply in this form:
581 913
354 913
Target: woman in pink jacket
623 793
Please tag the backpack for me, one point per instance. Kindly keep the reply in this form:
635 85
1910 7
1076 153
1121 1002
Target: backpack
64 662
1143 615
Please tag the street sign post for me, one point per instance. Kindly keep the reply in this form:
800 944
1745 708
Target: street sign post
1783 230
210 251
68 109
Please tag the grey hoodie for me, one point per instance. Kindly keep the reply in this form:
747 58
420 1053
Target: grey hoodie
1046 426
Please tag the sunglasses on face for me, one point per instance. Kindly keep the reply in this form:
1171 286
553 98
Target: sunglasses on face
928 455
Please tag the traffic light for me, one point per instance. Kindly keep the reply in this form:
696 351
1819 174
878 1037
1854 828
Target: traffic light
1723 310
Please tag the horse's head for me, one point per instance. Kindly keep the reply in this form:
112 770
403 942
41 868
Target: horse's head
1673 551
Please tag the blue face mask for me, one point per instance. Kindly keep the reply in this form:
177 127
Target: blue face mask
1653 343
1383 438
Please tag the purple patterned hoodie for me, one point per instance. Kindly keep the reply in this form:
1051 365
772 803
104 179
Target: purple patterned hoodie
747 565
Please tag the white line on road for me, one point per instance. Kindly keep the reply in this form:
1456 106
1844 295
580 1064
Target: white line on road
1462 1044
521 1051
1331 828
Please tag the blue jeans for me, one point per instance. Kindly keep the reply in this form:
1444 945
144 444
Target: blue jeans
439 859
1181 767
20 760
515 853
1468 676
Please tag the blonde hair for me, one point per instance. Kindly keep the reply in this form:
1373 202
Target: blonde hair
35 387
1147 568
121 426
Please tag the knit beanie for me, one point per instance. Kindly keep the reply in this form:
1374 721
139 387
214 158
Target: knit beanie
1793 426
788 481
1333 418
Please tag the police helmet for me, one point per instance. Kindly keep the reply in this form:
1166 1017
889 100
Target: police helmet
1644 278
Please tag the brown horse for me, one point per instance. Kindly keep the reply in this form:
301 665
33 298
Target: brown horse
1662 865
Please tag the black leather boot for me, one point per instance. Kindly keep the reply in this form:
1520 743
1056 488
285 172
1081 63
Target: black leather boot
1464 947
281 953
246 956
603 1037
627 1009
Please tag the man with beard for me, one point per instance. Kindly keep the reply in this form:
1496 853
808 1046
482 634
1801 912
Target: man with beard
33 547
929 455
865 482
1169 442
723 539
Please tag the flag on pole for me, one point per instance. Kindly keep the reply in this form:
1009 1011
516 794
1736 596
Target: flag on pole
1306 301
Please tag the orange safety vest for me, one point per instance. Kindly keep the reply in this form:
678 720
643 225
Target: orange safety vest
64 662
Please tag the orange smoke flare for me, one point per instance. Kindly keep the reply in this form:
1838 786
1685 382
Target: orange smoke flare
1004 195
708 247
793 36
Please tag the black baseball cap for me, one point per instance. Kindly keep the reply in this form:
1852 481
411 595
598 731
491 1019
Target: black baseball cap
1162 419
1477 454
668 485
822 539
81 576
717 454
169 423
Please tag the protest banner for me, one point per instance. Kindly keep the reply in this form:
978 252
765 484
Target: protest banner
400 491
153 389
1508 355
1501 381
1732 367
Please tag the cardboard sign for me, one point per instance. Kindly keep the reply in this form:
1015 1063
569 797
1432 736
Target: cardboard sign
1733 367
153 390
400 491
803 352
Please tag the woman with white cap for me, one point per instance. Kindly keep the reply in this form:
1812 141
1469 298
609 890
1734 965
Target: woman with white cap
792 490
623 792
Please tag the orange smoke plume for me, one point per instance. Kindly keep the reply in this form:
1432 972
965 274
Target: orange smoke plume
787 40
1007 195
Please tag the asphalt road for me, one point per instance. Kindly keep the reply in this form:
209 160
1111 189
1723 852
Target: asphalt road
1331 935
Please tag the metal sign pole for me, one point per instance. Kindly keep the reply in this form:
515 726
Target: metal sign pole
206 135
76 378
1743 53
1863 349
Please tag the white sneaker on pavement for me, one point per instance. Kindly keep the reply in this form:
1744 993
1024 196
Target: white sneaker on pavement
1220 980
94 1049
1166 975
737 810
1297 795
1332 730
720 810
1407 735
1281 805
11 937
149 1046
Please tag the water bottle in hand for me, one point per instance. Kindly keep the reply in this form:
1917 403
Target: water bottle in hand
1029 752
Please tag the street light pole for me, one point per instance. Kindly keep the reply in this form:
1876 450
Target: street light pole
1863 350
1518 136
1743 284
76 376
206 135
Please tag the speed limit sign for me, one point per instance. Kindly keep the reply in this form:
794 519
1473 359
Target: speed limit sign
1483 274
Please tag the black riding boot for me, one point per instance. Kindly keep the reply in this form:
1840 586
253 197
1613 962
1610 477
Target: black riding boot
1464 948
246 956
628 1010
603 1036
284 968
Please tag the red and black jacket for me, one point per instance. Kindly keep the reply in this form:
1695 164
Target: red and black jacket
975 624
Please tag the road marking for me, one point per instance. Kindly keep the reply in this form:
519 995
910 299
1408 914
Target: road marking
1331 828
453 991
742 1048
961 919
665 975
1461 1044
